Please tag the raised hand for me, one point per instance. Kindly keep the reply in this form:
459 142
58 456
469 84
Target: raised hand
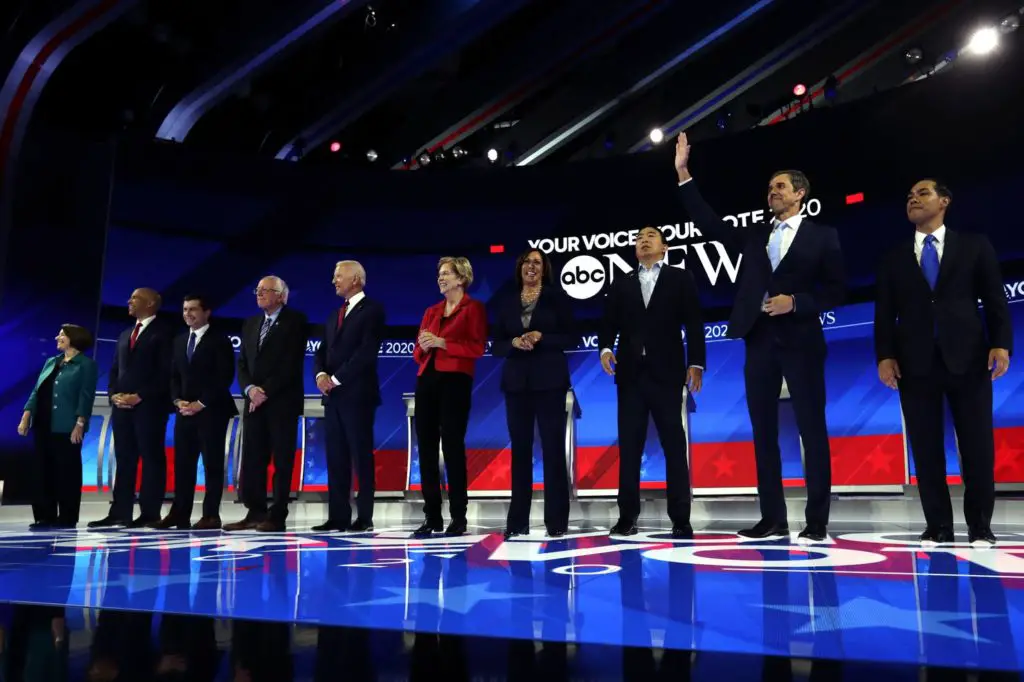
682 157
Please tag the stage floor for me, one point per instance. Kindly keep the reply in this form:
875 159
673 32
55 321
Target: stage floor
870 594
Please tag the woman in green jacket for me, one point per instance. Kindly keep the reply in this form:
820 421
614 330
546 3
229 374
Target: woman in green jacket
58 411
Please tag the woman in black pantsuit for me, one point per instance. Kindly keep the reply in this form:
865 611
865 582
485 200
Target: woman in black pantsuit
533 330
58 410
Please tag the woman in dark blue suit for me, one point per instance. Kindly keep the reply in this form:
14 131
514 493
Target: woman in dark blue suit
533 330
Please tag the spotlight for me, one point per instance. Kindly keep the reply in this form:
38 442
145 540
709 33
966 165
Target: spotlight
439 155
458 152
371 155
492 155
424 159
983 41
913 55
657 136
799 90
1009 24
335 147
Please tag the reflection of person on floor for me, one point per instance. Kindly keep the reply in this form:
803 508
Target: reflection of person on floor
932 341
188 649
34 648
122 647
58 410
262 651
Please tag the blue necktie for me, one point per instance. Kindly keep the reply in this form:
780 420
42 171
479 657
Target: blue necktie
191 346
930 261
775 245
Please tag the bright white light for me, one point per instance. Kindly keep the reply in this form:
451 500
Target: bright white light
371 155
657 136
492 155
983 41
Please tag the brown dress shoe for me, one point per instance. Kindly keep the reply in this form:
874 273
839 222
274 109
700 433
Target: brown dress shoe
168 522
207 523
269 526
244 524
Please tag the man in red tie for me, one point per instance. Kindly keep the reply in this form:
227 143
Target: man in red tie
346 374
139 389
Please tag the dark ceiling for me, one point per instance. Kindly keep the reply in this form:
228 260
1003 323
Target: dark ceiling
537 81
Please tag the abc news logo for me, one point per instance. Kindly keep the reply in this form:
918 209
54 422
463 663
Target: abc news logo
583 277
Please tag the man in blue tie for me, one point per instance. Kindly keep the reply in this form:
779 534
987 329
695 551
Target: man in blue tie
792 271
932 341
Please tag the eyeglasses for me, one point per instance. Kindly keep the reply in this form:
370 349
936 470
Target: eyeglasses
261 290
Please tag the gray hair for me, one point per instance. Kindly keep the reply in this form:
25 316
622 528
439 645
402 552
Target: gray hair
355 266
281 284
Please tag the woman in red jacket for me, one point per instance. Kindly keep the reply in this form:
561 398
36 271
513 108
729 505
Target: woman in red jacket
452 336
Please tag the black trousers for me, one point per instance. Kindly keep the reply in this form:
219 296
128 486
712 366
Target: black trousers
139 434
349 431
641 398
767 362
970 402
443 401
57 478
546 409
268 433
203 433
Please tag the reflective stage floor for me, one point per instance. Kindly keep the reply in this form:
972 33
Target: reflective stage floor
869 595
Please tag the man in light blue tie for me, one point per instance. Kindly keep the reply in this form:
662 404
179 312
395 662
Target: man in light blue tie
932 342
792 271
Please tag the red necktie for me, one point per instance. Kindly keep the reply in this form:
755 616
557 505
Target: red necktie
341 313
135 336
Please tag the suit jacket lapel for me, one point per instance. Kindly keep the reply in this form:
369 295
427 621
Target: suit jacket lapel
254 334
949 255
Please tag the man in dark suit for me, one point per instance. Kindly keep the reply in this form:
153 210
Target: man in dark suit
646 310
270 367
202 369
346 374
792 271
932 341
139 388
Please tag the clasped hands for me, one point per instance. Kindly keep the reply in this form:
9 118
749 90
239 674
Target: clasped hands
125 401
428 340
257 396
187 409
778 305
527 341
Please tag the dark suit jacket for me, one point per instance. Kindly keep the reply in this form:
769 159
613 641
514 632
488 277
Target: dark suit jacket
278 366
545 367
207 378
674 305
812 272
350 354
909 315
145 369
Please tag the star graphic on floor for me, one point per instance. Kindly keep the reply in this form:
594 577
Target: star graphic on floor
143 582
458 599
863 612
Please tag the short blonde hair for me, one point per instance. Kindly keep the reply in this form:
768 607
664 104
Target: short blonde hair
461 266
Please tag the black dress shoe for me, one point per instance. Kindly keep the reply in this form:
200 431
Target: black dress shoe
981 536
814 532
556 533
429 528
513 532
42 525
107 522
682 531
361 526
455 528
328 527
623 527
766 529
143 522
937 536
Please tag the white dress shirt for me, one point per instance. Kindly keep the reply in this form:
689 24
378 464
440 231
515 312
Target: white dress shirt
940 242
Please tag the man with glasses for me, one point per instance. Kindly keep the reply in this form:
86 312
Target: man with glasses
270 367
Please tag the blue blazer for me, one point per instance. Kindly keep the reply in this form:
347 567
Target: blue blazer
73 392
545 367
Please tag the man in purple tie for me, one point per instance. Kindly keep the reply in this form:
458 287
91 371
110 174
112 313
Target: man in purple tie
932 341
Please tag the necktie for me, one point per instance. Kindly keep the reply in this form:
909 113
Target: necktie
263 331
341 314
775 245
191 346
930 261
135 335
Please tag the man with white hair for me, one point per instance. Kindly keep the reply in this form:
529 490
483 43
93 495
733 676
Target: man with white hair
346 374
270 366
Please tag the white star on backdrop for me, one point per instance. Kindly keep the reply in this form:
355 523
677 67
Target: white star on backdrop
458 599
854 614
